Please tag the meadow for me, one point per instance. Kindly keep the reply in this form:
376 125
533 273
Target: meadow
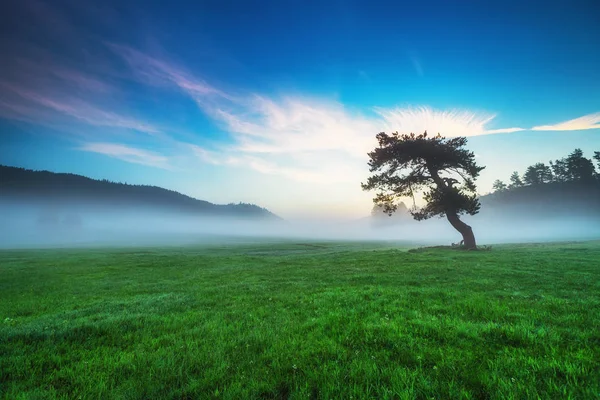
320 320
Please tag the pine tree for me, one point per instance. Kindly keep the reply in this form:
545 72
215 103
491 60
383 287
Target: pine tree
405 164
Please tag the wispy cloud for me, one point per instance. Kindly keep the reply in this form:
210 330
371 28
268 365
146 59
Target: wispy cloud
323 141
27 69
300 138
305 139
129 154
55 81
503 130
81 80
417 66
326 142
590 121
364 75
265 125
448 123
260 164
71 107
161 73
15 111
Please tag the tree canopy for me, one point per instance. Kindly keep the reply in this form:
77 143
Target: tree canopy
537 173
515 180
499 186
442 169
578 167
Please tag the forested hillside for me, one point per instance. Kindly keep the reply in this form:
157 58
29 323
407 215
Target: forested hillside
64 190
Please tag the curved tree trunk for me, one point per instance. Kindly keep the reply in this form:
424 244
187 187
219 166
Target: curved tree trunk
465 230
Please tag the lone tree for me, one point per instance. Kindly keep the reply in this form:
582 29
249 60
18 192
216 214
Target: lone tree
405 164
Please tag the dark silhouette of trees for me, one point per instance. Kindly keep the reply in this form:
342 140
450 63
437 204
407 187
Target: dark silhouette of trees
569 186
537 174
47 188
499 186
405 164
573 168
560 171
515 180
578 167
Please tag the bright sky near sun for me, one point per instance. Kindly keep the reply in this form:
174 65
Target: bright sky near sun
277 102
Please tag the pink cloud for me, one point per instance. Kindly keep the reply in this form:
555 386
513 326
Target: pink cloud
82 81
51 72
160 73
77 109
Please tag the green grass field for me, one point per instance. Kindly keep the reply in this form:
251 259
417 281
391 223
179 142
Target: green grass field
301 321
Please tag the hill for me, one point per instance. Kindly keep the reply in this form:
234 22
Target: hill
60 190
546 199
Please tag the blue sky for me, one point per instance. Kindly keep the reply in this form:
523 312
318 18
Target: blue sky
278 102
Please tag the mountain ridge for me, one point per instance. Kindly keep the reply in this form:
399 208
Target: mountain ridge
56 189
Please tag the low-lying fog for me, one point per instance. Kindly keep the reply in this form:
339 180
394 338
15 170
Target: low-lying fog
30 226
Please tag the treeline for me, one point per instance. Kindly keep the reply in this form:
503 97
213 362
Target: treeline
20 184
573 168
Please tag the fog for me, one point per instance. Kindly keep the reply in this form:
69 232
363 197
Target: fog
31 226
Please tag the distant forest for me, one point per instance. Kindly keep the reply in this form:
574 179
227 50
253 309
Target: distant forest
60 190
568 186
573 168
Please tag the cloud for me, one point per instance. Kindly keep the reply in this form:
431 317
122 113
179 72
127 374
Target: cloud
503 130
69 106
81 80
364 75
28 69
300 138
129 154
16 111
41 85
161 73
590 121
320 141
417 65
305 139
212 157
259 164
448 123
266 125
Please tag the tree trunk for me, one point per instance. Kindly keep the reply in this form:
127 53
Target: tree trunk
464 229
